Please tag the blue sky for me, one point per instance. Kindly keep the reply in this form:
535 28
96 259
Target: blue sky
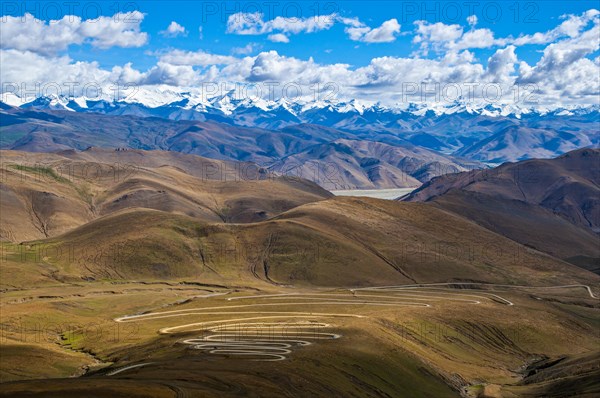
357 33
328 46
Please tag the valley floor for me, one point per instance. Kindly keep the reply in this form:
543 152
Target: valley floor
184 339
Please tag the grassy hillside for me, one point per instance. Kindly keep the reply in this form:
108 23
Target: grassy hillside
335 242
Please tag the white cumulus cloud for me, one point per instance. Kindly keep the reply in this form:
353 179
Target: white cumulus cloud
280 28
501 65
566 73
570 27
198 58
385 33
253 24
27 33
278 38
247 49
174 30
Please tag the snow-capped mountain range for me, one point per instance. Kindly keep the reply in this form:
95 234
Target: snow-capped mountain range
167 103
283 132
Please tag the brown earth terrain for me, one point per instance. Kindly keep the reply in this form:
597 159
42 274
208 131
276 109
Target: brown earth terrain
140 273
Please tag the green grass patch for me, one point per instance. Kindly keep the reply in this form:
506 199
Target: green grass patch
40 171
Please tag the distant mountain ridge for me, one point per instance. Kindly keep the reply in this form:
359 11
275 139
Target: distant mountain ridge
387 161
297 136
345 164
491 133
187 105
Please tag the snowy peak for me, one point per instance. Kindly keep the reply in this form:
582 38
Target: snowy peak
165 101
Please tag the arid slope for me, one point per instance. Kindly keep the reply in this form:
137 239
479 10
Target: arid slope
552 205
44 195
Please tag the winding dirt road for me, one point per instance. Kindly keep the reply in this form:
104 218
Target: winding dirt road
256 335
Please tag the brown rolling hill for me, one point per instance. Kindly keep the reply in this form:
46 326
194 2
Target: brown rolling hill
335 242
552 205
44 195
129 214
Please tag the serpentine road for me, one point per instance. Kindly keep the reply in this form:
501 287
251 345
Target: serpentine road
256 332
